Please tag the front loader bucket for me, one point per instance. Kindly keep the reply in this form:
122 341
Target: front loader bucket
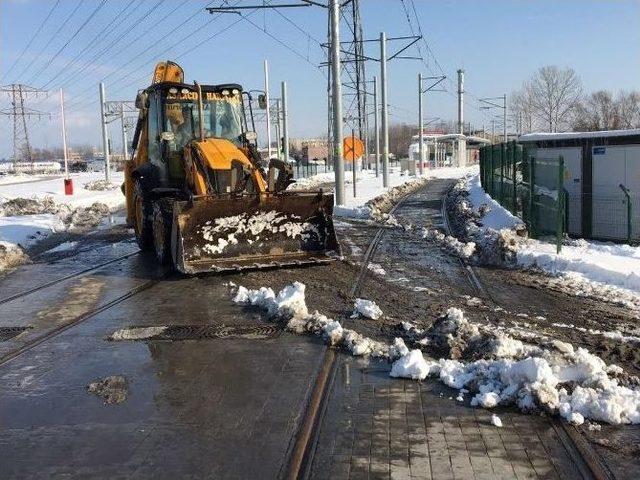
214 234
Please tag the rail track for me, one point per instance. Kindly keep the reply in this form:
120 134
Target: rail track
576 445
584 456
75 321
77 274
307 437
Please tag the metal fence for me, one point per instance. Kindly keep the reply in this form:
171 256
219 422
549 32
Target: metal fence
301 170
531 188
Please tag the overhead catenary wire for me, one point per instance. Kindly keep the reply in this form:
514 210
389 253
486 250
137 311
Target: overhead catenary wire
32 39
75 34
189 50
88 92
126 31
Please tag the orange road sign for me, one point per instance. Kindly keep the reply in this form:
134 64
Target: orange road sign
353 148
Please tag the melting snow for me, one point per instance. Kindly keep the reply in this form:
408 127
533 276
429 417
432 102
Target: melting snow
495 420
492 366
366 308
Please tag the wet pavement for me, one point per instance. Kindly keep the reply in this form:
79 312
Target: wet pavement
202 409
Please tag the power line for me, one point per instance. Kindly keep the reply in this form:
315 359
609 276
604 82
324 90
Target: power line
98 45
87 92
128 29
75 34
178 56
33 37
50 41
91 43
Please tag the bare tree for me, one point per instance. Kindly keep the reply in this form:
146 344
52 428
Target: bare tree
597 111
522 110
555 93
629 109
400 138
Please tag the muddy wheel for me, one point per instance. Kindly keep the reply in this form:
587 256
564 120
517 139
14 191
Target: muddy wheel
162 222
142 218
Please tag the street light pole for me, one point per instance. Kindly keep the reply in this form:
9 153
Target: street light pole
336 98
385 118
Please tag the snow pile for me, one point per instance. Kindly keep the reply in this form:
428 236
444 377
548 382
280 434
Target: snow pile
481 360
376 268
502 370
584 262
496 233
611 335
290 306
314 182
32 210
411 365
28 206
366 308
464 250
100 185
583 268
11 256
251 227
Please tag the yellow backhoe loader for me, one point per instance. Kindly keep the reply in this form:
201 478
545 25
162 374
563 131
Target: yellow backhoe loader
198 193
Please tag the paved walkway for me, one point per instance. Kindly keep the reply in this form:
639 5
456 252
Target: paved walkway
379 427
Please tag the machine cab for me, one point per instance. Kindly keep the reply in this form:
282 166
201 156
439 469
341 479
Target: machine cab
173 121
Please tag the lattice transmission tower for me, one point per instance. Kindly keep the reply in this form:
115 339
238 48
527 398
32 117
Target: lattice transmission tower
19 94
354 84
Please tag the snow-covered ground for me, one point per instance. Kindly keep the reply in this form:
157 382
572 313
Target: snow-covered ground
21 227
54 188
368 186
588 266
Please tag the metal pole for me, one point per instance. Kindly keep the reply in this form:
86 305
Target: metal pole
504 116
375 125
336 98
124 134
353 160
385 118
105 141
285 129
278 130
64 135
420 126
266 94
461 101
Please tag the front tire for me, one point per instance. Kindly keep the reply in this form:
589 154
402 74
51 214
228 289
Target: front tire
143 211
162 226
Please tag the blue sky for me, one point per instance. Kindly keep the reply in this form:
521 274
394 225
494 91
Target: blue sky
498 43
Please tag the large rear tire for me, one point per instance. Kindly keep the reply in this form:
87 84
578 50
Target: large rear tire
143 211
162 225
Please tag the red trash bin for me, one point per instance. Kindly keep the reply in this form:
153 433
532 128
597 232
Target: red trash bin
68 186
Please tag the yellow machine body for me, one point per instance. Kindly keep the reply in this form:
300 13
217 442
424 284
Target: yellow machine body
207 204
